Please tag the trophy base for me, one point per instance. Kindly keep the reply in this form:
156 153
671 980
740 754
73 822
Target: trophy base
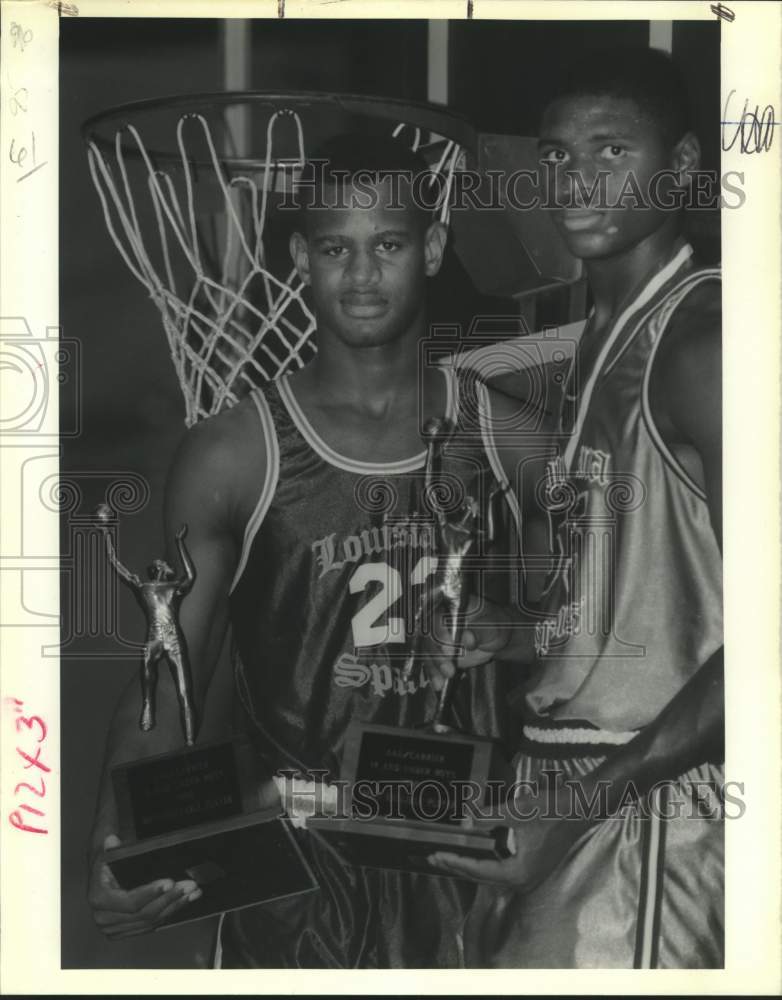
405 846
427 789
248 860
208 813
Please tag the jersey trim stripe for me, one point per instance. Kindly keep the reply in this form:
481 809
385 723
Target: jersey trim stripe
452 390
649 290
490 447
327 453
269 485
646 406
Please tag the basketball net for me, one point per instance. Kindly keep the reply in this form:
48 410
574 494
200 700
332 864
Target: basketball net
230 322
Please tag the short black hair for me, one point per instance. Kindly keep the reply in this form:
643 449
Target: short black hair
343 158
648 77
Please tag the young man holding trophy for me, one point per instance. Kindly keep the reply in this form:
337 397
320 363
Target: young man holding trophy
619 859
308 525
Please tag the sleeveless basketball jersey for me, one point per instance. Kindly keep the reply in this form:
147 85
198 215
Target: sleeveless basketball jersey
633 605
322 606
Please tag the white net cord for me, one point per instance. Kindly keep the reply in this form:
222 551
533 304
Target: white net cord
230 322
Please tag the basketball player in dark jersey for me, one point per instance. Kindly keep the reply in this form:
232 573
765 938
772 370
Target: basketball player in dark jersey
303 505
626 682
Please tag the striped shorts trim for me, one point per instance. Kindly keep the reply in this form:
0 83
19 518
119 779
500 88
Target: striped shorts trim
650 894
571 739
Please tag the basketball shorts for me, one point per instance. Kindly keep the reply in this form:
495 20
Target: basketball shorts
359 918
643 889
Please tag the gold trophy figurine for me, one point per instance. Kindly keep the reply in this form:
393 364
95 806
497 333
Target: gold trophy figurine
205 812
160 598
456 535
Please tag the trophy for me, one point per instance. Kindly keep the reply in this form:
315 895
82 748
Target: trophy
408 790
207 812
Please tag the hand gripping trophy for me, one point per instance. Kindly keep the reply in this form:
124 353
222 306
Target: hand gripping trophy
160 598
456 534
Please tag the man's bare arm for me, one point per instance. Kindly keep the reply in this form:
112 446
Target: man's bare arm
686 393
687 406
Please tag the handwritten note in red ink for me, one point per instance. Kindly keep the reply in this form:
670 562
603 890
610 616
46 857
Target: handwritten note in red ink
30 793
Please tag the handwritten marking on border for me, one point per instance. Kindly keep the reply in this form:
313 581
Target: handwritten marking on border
21 36
754 129
68 9
723 12
29 723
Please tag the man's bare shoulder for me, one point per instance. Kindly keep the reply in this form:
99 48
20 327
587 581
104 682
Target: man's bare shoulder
689 360
697 318
221 460
219 443
686 378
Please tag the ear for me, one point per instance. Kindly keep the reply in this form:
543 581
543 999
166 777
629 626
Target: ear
300 255
686 157
434 247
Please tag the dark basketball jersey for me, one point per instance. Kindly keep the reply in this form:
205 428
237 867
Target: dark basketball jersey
322 608
323 603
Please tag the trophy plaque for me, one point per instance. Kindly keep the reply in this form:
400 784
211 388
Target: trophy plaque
411 792
208 812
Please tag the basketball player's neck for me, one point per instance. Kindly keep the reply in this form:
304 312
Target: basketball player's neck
614 281
379 379
368 403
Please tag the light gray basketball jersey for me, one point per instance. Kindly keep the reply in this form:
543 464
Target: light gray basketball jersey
633 606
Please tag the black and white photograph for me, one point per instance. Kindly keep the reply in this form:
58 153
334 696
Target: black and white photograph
392 456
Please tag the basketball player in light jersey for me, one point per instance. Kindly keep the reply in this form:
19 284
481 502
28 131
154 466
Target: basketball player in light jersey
303 505
626 691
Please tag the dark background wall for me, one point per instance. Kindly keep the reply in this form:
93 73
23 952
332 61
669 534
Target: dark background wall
132 413
499 71
131 420
386 58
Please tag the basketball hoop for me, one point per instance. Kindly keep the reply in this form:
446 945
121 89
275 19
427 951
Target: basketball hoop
191 213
